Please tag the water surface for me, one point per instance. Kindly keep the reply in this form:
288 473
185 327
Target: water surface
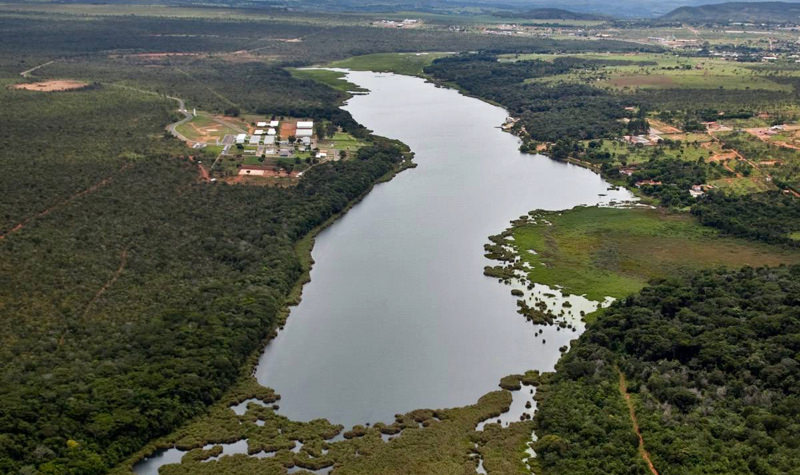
398 314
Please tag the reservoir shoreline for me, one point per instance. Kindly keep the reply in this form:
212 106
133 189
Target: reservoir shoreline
491 178
531 163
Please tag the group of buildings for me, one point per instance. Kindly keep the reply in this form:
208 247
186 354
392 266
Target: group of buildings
266 133
275 139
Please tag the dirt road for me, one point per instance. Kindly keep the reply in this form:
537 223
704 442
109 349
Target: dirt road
623 390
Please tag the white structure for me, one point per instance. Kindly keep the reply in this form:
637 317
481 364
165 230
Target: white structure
259 132
306 140
271 132
322 155
273 123
261 124
305 124
241 138
269 140
255 139
303 133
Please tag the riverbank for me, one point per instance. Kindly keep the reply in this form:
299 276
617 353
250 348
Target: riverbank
247 388
395 244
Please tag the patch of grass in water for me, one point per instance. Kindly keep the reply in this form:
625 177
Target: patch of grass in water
614 252
334 79
410 64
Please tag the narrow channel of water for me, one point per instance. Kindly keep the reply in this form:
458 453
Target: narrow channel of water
398 314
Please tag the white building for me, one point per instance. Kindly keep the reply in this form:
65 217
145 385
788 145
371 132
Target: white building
305 124
269 140
241 138
303 133
273 123
259 132
261 124
255 139
272 132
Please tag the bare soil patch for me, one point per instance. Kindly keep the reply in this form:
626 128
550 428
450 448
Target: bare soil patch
52 86
288 129
663 127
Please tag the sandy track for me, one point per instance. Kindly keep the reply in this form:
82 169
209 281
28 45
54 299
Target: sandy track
623 390
110 282
61 204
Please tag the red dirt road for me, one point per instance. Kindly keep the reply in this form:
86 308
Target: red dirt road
110 282
60 204
623 390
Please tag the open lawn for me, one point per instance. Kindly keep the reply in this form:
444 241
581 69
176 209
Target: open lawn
334 79
614 252
410 64
665 71
632 155
345 141
203 128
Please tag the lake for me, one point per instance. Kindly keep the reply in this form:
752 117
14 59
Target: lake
398 314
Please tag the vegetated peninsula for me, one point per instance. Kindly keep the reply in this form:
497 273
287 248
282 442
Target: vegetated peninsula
614 252
771 12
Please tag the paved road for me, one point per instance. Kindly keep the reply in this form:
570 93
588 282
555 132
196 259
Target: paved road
173 127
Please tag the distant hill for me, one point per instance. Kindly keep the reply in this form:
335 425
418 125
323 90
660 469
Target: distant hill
770 12
553 14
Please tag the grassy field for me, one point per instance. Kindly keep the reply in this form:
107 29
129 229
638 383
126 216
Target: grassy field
614 252
333 79
410 64
632 155
669 71
345 141
204 128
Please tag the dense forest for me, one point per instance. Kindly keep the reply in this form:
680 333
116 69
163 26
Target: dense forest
547 113
711 362
131 292
128 309
772 217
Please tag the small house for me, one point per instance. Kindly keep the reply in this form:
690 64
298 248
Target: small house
241 138
261 124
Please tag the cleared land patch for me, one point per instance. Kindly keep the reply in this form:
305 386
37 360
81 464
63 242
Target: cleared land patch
52 86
